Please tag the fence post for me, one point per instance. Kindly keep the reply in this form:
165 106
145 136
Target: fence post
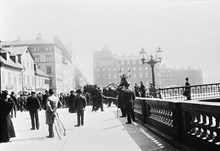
177 122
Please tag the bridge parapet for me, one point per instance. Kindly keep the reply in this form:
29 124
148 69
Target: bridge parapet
204 91
191 123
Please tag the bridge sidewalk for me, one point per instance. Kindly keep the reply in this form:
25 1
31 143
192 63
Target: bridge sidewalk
101 131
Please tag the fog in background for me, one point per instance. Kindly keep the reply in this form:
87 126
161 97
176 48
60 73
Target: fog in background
188 31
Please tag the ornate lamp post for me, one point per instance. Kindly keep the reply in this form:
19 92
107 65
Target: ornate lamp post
151 61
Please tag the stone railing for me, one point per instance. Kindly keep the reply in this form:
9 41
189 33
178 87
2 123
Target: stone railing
191 123
205 91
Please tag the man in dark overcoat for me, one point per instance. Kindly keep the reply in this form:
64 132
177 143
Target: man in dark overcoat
120 101
33 105
72 102
128 103
80 104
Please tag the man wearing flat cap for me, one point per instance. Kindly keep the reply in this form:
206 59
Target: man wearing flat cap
80 104
33 105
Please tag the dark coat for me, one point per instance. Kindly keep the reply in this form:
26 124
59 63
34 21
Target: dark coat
33 103
72 103
80 103
128 98
6 125
51 107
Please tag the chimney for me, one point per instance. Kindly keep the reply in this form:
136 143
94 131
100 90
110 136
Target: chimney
39 36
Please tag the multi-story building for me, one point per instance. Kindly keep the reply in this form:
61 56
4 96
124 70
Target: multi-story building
27 62
53 59
10 72
106 67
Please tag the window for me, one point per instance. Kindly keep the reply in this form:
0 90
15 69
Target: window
15 81
37 58
146 75
20 79
115 77
128 62
140 75
134 68
134 75
9 78
49 70
48 58
103 69
140 68
28 80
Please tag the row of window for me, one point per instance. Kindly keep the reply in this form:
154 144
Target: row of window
128 62
27 80
42 49
114 76
38 59
109 69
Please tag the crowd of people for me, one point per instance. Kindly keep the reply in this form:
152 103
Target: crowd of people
75 101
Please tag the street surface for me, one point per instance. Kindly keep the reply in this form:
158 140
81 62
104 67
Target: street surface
102 131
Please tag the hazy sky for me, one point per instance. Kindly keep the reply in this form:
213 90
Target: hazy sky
188 31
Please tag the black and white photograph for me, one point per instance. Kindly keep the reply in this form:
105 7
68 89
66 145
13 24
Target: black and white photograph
109 75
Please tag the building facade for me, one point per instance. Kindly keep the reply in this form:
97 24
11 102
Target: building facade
106 67
53 59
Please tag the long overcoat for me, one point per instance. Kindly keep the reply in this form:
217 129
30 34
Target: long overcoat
51 107
6 126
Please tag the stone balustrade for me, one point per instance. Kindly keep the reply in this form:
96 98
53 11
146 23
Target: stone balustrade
193 123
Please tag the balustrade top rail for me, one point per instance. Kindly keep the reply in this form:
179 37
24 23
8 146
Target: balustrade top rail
204 91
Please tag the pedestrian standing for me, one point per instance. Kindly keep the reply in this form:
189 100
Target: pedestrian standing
120 101
136 89
128 103
142 89
51 111
187 91
44 100
6 126
80 104
14 109
33 105
72 102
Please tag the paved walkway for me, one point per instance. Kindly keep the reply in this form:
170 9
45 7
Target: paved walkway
102 131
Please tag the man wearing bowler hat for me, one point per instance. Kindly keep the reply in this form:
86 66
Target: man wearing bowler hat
80 104
33 105
128 98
